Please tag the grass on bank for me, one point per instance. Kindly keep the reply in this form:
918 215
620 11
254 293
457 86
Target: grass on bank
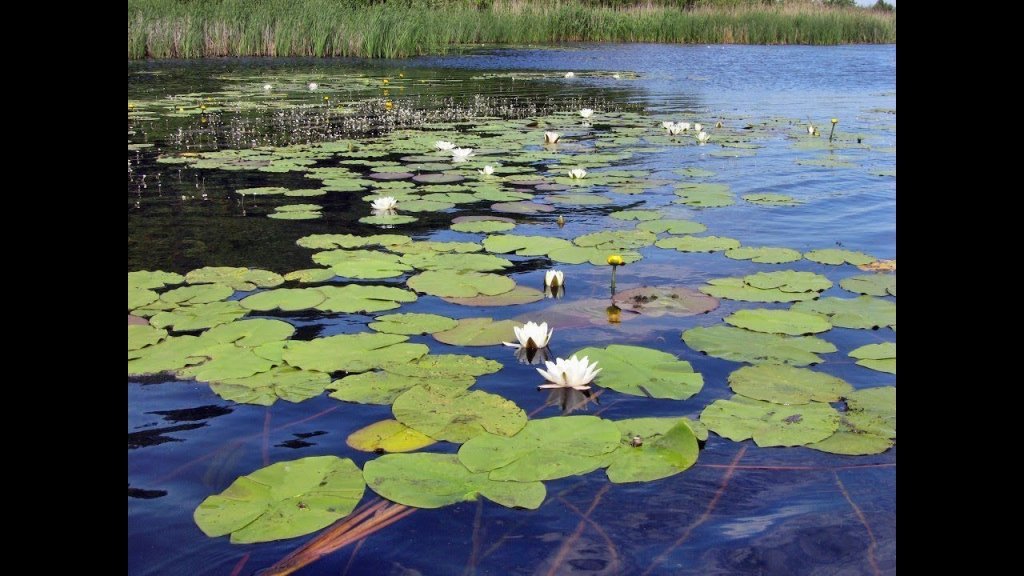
203 28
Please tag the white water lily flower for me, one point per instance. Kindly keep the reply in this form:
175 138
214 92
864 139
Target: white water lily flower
667 124
674 129
313 86
616 76
461 154
551 137
570 75
697 127
487 171
573 373
384 203
577 173
532 336
811 129
684 126
586 112
702 137
554 278
443 145
267 87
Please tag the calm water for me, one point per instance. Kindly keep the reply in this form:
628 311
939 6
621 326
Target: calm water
775 511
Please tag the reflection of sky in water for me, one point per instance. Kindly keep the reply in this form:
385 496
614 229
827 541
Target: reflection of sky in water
746 527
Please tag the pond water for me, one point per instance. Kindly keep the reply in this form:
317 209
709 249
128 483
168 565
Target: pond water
741 508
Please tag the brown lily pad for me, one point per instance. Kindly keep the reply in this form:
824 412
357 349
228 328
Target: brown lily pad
658 301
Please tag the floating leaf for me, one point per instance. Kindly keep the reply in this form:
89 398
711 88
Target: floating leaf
170 354
867 426
636 215
523 245
357 298
384 387
764 254
518 295
616 239
330 241
698 243
770 424
879 266
663 454
460 284
456 415
483 226
881 357
388 436
783 384
741 345
593 255
310 275
138 297
199 317
771 199
861 312
656 301
644 372
226 361
286 299
737 289
140 336
579 199
871 284
446 366
265 388
351 352
457 262
250 333
478 332
672 226
241 279
424 480
362 264
705 195
789 281
412 323
836 257
545 449
144 279
283 500
201 294
791 322
521 207
388 219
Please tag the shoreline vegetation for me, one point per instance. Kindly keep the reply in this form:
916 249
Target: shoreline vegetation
395 29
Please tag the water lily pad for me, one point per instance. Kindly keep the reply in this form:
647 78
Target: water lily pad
455 415
425 205
579 199
524 245
518 295
362 264
138 297
870 284
791 322
498 195
694 172
789 281
310 275
457 262
483 226
170 354
764 254
199 316
616 239
770 424
698 243
330 241
593 255
388 219
460 284
771 199
351 352
264 388
867 426
446 366
642 215
144 279
662 454
521 207
644 372
283 500
438 178
478 332
295 215
705 195
250 333
385 386
741 345
881 357
201 294
783 384
241 279
863 312
140 336
362 299
388 436
286 299
412 323
836 257
672 226
656 301
424 480
545 449
226 361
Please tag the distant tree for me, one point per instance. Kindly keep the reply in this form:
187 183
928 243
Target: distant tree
840 3
883 6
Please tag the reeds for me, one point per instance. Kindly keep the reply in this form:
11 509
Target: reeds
320 28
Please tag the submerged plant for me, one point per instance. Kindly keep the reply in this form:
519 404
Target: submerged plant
575 373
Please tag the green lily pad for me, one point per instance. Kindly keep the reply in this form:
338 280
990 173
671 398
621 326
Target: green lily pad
644 372
446 366
881 357
240 279
836 257
694 172
664 454
523 207
310 275
363 299
738 289
789 281
226 361
170 354
424 480
384 387
657 301
863 312
523 245
199 316
201 294
283 500
286 299
425 205
265 388
867 426
516 296
791 322
295 214
362 264
388 436
545 449
457 262
579 199
351 352
613 240
698 243
388 219
771 199
783 384
331 241
642 215
455 415
432 248
764 254
460 284
140 336
483 226
705 195
770 424
146 279
138 297
741 345
250 333
672 226
412 323
593 255
870 284
478 332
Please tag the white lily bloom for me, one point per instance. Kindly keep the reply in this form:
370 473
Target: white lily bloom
573 373
267 87
532 335
551 137
684 126
570 75
702 137
586 112
384 203
554 278
697 127
667 124
616 76
674 129
313 86
577 173
443 145
811 129
487 171
461 154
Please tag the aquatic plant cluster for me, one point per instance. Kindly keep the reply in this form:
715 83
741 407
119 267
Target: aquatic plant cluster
229 327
